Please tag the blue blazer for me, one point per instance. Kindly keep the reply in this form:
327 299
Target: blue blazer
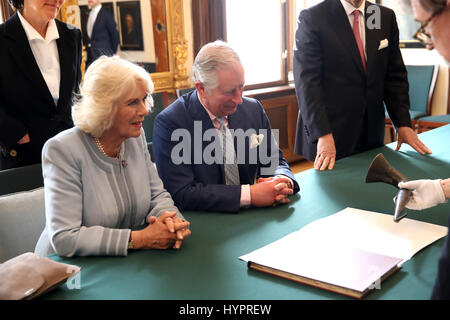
104 38
199 185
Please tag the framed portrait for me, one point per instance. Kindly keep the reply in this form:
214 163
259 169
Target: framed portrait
130 25
84 15
407 25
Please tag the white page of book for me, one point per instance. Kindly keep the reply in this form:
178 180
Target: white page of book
352 248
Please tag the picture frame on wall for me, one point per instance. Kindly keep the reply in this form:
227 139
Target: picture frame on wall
130 25
407 25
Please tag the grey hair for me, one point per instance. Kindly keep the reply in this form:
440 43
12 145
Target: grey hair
217 55
106 81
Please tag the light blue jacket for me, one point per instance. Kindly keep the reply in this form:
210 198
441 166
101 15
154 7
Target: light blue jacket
92 201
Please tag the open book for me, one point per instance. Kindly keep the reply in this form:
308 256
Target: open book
350 252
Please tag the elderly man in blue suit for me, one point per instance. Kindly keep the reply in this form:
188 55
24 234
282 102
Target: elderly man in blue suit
102 37
212 145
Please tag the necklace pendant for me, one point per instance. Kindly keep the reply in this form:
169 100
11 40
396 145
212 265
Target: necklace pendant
100 147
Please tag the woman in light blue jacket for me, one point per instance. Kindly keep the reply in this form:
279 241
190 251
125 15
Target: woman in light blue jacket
99 180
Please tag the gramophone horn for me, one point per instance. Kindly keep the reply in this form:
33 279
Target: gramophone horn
381 171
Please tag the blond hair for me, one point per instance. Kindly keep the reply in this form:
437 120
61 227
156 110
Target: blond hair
106 81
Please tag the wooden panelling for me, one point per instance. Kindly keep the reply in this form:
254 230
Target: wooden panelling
278 116
208 22
160 35
280 104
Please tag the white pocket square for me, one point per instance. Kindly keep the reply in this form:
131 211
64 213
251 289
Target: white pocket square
256 140
383 44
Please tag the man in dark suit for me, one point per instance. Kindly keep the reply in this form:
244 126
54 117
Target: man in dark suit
101 37
347 62
28 113
189 138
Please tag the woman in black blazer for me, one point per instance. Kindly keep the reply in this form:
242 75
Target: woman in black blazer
40 59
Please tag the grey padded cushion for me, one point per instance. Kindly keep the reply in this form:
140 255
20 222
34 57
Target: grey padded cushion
22 220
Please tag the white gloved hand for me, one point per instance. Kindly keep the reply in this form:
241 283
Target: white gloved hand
426 193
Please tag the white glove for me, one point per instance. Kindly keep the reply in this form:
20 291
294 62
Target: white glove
426 193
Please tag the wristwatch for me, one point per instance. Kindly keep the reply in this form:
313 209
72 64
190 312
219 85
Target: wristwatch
130 243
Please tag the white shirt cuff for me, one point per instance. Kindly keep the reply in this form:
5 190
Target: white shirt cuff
246 199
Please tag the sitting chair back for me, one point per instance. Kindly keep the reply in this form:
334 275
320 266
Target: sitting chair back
22 220
21 179
148 124
422 81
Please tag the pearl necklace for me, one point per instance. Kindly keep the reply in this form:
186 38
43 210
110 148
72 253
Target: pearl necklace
100 147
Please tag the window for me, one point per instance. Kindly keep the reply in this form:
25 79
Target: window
258 38
261 31
297 6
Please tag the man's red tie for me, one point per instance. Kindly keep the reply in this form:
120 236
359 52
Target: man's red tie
358 38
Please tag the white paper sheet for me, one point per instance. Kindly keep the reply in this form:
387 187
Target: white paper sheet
352 248
359 229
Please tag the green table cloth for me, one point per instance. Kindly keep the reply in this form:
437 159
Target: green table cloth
207 266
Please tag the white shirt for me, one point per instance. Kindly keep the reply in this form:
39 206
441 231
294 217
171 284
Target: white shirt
362 25
45 53
91 20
